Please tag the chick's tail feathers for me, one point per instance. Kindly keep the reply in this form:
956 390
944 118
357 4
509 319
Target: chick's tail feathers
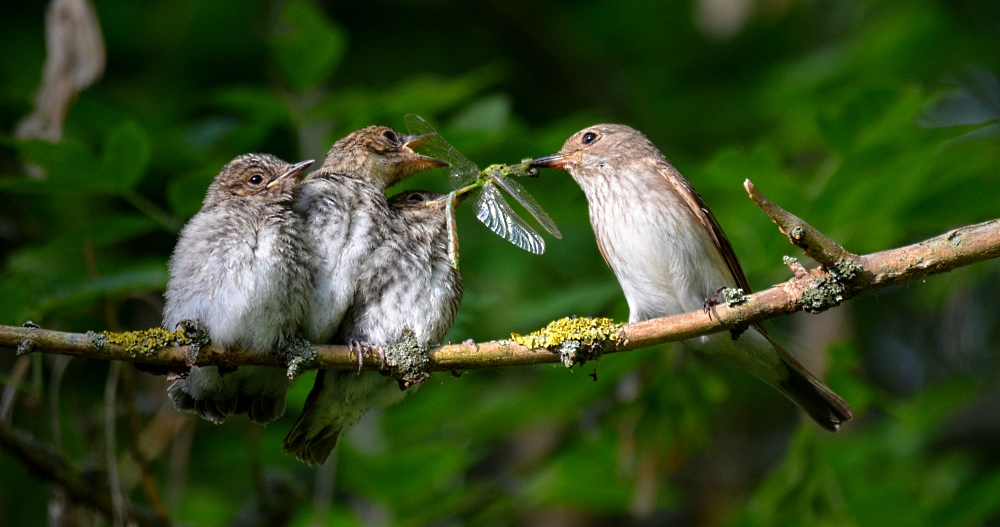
314 435
337 401
257 391
810 394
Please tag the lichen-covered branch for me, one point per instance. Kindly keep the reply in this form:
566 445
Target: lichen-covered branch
842 276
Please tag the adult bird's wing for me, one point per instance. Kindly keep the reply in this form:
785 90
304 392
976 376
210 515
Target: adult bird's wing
697 206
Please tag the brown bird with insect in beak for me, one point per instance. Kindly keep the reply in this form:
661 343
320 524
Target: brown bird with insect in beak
670 254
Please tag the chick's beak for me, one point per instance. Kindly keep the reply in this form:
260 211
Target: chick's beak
424 162
291 172
557 160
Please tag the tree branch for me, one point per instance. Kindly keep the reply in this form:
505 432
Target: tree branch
843 275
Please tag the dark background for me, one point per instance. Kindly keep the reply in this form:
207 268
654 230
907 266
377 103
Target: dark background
877 122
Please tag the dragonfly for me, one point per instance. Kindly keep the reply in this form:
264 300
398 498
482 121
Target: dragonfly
491 208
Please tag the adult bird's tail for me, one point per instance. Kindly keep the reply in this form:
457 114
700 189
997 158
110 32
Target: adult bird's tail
810 394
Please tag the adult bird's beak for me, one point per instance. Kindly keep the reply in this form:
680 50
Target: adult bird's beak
291 172
557 160
424 162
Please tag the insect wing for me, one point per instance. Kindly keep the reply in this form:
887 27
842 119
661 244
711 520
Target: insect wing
496 214
521 195
462 171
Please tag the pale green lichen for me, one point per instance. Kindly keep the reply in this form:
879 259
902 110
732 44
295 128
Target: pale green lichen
822 294
299 356
407 360
98 339
24 347
576 339
145 342
732 296
845 270
827 292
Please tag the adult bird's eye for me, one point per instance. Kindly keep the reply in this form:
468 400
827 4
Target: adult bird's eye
390 135
256 179
589 137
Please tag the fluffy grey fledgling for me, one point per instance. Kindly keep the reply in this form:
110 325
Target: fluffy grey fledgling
408 281
242 268
670 254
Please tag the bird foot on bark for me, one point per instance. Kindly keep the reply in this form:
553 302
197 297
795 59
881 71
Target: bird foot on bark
724 295
362 350
712 301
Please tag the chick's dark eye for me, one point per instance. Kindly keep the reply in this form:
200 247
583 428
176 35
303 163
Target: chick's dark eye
390 135
416 198
256 179
589 137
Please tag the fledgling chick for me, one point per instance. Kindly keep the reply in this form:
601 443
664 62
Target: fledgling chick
342 204
407 282
243 269
670 254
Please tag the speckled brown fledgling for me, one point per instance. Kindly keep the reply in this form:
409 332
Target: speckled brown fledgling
346 214
670 254
242 268
341 204
407 282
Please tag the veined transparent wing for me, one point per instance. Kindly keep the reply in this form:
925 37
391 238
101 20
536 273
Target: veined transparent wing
494 212
462 171
521 195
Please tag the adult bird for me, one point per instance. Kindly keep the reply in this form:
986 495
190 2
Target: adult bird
670 254
408 282
243 270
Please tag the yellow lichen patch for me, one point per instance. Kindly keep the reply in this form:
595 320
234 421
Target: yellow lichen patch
583 329
147 341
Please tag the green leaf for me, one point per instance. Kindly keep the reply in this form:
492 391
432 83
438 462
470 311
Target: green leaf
126 156
186 194
489 114
308 47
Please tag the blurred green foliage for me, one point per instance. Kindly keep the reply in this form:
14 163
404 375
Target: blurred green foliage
875 121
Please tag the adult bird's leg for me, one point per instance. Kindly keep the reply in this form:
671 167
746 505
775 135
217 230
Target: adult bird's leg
712 301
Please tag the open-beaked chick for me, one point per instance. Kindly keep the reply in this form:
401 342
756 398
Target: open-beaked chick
243 269
347 216
670 254
408 282
341 204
